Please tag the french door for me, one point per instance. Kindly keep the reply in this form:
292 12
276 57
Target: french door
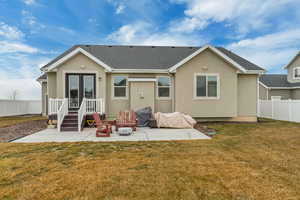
79 86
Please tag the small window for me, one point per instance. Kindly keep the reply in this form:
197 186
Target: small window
119 87
163 87
206 86
297 73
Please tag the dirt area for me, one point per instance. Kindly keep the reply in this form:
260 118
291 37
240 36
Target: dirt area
22 129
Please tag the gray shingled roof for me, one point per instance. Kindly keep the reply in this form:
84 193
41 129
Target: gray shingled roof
276 80
42 77
148 57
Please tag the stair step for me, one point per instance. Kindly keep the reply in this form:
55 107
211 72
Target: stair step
69 128
69 125
71 117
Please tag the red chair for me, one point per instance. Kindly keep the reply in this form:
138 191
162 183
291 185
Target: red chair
126 119
103 129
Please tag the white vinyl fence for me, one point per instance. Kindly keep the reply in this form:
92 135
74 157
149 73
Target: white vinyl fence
20 107
287 110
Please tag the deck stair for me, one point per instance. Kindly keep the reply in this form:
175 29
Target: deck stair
70 122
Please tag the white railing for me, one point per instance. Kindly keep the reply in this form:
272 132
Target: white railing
81 113
54 105
61 113
287 110
90 106
95 106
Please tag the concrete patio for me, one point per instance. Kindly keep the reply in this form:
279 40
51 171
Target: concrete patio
88 134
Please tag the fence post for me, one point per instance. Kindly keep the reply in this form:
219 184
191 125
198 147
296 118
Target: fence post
290 110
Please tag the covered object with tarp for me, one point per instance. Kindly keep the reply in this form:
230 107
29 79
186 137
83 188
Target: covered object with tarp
174 120
144 115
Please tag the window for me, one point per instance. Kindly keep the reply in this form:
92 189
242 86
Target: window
163 87
297 73
206 86
119 87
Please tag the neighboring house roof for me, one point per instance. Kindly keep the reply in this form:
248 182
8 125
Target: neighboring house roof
277 81
147 57
42 77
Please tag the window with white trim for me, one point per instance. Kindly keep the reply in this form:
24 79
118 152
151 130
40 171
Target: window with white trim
297 72
206 86
120 86
163 87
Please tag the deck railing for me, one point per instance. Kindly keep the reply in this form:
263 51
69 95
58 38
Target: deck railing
90 106
95 106
61 113
54 105
81 113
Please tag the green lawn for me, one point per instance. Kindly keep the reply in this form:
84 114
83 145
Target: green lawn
243 162
9 121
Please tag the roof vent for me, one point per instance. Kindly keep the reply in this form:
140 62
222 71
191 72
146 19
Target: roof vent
110 46
130 46
152 46
87 45
173 47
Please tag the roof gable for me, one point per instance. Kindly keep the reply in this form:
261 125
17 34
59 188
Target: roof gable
293 59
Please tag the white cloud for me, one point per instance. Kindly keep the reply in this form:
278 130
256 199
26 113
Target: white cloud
14 47
271 51
142 33
10 32
29 2
120 8
246 15
18 73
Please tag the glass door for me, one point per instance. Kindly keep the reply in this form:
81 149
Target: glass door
79 86
73 92
89 86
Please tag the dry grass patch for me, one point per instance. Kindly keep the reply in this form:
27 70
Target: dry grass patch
243 162
10 121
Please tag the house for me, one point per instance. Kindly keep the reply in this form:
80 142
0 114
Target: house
208 83
282 86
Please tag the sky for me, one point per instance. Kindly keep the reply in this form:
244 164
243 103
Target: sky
32 32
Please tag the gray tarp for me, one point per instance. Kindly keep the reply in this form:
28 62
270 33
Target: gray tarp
144 115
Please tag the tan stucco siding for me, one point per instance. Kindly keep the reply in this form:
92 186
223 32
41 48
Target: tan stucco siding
51 81
263 92
247 95
285 94
44 98
81 64
295 94
113 106
295 63
206 62
116 105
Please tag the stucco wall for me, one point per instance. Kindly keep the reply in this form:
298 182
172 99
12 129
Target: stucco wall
296 94
247 95
115 105
44 98
285 94
206 62
295 63
81 64
263 92
51 89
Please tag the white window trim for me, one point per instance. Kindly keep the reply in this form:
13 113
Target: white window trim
170 88
294 72
195 86
113 88
276 97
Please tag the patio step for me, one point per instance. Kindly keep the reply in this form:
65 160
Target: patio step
69 129
70 122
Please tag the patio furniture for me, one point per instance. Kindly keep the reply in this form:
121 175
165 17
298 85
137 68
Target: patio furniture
126 119
125 131
103 129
